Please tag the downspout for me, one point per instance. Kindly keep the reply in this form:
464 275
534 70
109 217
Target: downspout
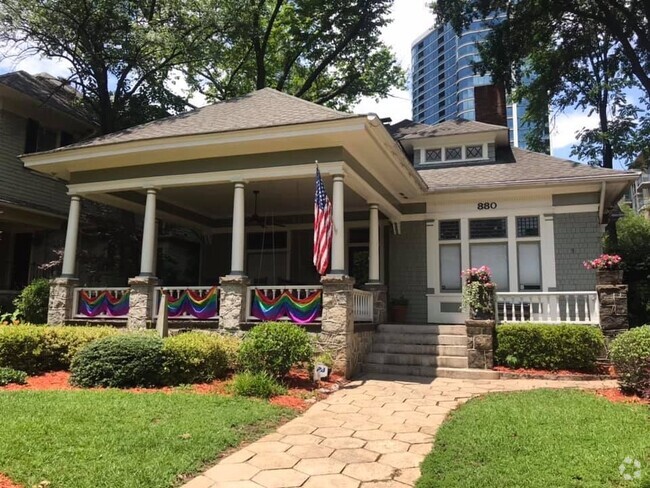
601 207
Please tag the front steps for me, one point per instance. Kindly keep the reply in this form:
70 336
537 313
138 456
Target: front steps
422 351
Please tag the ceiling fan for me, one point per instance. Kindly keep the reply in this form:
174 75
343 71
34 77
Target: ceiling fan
255 218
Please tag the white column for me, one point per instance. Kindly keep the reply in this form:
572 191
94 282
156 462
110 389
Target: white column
373 245
338 218
148 256
71 238
238 231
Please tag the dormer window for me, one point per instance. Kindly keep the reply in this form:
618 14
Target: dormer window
433 155
454 154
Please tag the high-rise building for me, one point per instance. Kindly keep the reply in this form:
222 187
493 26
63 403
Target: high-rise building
443 79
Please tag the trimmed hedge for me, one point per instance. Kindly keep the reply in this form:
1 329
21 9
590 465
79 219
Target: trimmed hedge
194 357
10 375
37 349
121 361
553 347
32 302
274 347
630 353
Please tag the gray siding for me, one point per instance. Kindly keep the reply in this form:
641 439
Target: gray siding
19 185
577 239
407 263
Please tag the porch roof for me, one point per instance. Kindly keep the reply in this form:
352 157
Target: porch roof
262 108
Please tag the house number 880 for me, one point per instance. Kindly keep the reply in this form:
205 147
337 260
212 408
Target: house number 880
486 205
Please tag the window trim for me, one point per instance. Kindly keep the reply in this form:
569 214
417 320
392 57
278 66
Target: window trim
463 147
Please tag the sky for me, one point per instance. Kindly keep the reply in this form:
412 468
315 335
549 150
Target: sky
410 19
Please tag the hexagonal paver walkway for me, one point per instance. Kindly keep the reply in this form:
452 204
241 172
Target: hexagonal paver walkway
374 432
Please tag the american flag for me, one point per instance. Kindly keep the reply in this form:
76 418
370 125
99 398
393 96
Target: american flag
322 226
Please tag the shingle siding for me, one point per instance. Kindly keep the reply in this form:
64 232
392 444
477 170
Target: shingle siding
20 185
577 239
408 269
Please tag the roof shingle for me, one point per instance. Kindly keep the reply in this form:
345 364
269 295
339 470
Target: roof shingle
263 108
513 166
407 129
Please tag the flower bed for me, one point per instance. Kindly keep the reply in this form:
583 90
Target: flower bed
546 374
7 483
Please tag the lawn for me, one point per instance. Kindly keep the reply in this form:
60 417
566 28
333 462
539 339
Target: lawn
543 438
91 439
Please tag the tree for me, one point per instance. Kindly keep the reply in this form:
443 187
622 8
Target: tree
326 51
568 53
121 52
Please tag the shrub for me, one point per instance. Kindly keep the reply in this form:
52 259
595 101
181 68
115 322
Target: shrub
231 345
274 347
10 375
37 349
260 385
120 361
31 304
630 353
194 357
562 346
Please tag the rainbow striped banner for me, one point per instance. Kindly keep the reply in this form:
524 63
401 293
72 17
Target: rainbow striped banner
299 310
191 303
103 304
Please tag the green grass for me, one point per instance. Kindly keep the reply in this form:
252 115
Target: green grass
543 438
92 439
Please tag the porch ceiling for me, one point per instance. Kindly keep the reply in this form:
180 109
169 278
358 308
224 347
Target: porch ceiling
211 204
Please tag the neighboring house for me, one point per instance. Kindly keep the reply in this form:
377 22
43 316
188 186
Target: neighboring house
37 113
443 79
412 206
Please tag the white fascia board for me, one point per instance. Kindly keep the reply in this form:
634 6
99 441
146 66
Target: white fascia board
464 139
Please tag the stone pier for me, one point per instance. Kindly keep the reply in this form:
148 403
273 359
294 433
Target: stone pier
61 300
233 290
141 300
612 300
480 343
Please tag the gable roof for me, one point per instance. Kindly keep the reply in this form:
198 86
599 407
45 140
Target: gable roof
262 108
514 166
49 91
407 129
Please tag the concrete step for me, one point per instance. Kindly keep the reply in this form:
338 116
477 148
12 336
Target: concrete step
422 329
426 373
424 339
433 350
416 360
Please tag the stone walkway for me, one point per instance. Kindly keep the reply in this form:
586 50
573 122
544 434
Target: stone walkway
373 433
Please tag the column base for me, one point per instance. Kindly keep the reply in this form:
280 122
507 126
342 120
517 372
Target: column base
380 298
141 300
233 299
59 308
480 343
337 322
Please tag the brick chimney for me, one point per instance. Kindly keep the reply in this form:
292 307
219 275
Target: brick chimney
490 104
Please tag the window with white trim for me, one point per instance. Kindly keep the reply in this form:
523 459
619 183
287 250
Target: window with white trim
455 153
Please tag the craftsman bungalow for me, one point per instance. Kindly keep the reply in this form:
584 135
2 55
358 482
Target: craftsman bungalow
413 205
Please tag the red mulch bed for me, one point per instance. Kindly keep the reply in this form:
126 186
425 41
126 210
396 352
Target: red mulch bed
7 483
617 396
302 390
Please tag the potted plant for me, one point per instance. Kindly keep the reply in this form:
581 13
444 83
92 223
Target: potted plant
478 293
398 309
608 269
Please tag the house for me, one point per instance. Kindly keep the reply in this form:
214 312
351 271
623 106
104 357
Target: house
412 204
37 113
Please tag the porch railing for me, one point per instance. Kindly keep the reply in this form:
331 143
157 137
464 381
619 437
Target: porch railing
100 303
579 307
189 303
298 304
362 306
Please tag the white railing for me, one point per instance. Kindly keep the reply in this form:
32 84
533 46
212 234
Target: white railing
100 303
577 307
189 302
362 306
301 304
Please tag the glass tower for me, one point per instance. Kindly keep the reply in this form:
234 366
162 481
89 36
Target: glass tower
443 81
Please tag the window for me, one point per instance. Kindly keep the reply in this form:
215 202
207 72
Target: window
433 155
450 268
530 266
474 152
453 153
39 138
488 228
449 230
495 257
527 226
